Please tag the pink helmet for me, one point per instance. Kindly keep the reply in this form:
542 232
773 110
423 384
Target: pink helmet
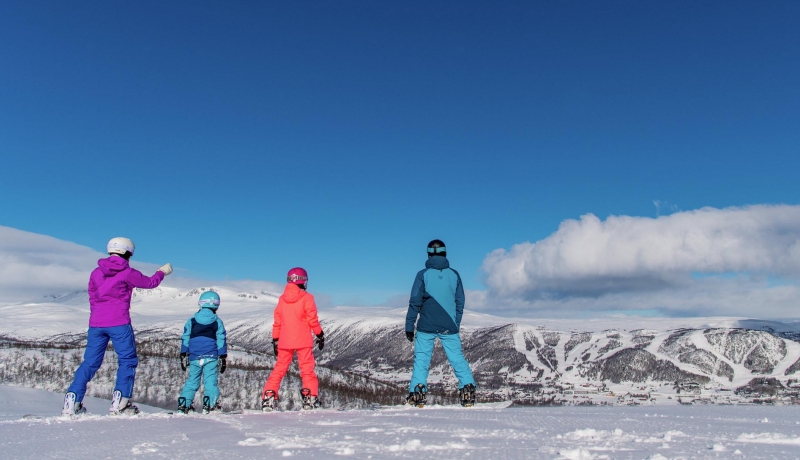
297 275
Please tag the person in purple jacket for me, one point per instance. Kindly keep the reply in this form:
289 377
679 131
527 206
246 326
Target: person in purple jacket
111 285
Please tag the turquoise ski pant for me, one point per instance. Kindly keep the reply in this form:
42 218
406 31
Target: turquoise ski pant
423 350
207 369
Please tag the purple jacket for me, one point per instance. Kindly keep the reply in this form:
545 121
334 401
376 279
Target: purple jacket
110 287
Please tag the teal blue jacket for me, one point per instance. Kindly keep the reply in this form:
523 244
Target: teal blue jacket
437 299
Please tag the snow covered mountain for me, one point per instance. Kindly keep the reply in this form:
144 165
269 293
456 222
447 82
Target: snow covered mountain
367 348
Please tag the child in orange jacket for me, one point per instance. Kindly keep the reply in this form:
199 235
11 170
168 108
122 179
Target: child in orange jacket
295 320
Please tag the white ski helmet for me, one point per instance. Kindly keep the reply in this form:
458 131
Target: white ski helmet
120 245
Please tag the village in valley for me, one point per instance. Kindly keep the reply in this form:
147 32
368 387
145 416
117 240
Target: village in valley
760 391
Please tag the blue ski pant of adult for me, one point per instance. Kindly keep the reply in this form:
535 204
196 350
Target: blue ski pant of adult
423 350
96 342
205 369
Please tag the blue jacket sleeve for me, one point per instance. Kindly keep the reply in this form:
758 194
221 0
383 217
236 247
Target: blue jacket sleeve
460 300
415 302
187 332
222 338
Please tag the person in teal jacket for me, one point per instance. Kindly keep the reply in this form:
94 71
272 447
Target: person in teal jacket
435 308
205 346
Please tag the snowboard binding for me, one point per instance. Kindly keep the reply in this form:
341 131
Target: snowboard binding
309 401
183 407
418 397
269 401
121 405
207 407
71 407
467 395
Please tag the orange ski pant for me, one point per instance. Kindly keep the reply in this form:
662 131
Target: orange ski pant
305 359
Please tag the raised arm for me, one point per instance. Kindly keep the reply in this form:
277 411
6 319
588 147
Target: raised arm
138 280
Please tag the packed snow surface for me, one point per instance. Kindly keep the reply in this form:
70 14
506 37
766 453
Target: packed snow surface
656 432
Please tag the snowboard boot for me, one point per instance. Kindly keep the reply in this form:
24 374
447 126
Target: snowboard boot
71 407
207 407
467 395
309 401
269 401
121 405
183 407
417 398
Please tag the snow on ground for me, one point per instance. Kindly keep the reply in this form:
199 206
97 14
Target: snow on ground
441 433
19 402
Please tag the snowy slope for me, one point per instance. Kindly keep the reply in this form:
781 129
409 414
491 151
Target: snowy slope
511 357
28 403
432 433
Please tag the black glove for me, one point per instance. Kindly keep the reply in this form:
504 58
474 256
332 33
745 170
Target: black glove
321 340
223 363
184 360
275 346
410 336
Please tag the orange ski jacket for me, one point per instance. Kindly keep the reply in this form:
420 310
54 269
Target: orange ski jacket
295 319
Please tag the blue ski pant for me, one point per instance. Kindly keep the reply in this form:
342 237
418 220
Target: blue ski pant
96 342
423 350
205 369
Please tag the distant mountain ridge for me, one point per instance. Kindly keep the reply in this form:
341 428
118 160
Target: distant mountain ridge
506 355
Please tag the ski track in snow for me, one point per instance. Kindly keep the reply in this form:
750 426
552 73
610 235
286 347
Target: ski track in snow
660 432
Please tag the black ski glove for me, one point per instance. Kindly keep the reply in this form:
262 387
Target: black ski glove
321 340
410 336
223 363
275 346
184 361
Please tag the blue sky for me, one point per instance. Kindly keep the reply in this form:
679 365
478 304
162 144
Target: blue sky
240 140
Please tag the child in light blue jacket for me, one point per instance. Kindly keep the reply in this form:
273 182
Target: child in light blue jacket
205 346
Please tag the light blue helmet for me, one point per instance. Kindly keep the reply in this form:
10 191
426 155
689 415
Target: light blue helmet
209 299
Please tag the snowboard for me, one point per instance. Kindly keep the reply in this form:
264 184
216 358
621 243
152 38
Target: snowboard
216 412
477 406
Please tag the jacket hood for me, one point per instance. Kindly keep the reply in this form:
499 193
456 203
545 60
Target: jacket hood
205 316
292 293
112 265
437 262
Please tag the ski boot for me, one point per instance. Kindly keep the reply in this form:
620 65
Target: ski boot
71 407
121 406
309 401
269 401
417 398
207 407
184 408
467 395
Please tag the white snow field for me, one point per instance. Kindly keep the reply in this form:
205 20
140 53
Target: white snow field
655 432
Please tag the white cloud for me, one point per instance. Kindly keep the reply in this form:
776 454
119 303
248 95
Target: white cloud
709 261
33 266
